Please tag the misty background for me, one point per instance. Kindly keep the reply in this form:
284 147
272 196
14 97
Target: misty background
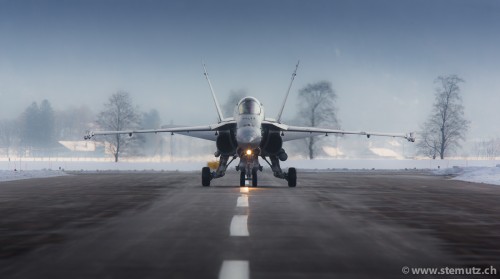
381 57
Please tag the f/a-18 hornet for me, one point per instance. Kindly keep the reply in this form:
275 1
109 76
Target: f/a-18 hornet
249 135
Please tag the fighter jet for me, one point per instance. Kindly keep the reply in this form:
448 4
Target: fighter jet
249 135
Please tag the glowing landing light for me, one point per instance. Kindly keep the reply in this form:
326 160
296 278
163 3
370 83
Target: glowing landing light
249 152
244 189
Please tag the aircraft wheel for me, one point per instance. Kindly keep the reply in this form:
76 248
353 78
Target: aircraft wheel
292 177
254 177
242 178
206 176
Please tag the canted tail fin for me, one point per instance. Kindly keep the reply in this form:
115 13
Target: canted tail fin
278 119
219 111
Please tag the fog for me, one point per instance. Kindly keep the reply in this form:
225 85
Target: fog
382 57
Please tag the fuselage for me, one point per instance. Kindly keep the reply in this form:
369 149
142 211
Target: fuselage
249 114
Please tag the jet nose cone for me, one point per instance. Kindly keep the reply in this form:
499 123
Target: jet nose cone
248 136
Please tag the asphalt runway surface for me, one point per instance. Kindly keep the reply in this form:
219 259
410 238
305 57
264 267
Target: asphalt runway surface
367 224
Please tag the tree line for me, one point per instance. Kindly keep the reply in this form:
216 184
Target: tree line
40 127
440 135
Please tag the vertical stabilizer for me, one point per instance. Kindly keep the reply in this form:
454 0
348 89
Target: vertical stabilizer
219 111
278 119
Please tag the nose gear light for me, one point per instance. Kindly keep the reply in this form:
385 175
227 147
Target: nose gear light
249 152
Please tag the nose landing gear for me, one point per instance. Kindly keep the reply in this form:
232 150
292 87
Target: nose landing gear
249 166
253 177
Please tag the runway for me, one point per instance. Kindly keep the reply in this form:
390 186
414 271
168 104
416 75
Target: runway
366 224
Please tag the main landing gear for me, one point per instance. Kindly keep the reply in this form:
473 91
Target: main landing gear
290 176
207 176
249 167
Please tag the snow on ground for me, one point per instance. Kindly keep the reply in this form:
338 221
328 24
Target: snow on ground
482 171
386 164
486 175
196 165
9 175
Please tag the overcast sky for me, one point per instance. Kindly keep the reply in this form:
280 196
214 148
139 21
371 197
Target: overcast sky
381 56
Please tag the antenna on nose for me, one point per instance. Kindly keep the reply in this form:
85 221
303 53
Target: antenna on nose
278 119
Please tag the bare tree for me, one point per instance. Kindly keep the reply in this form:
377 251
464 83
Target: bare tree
447 125
487 149
493 148
317 108
428 143
118 114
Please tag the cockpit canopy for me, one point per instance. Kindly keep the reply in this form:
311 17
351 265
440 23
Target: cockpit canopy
249 106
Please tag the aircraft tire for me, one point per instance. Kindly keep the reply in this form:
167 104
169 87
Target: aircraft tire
292 177
242 178
254 177
206 176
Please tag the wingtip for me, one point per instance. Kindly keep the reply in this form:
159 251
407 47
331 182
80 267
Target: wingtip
410 137
89 135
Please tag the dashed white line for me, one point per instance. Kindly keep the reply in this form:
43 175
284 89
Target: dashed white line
234 270
242 201
239 226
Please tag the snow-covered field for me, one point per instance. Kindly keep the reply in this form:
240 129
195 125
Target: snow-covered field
483 171
480 175
9 175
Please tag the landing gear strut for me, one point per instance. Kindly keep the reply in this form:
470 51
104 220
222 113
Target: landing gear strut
249 166
207 176
290 176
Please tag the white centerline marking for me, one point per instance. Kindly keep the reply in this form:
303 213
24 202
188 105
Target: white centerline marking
235 270
242 201
239 226
243 189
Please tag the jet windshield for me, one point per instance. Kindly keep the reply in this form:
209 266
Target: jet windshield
249 106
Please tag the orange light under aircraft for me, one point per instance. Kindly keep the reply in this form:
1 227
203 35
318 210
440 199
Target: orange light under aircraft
249 152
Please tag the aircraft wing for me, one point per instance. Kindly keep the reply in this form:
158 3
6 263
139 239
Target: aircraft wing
205 132
297 132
